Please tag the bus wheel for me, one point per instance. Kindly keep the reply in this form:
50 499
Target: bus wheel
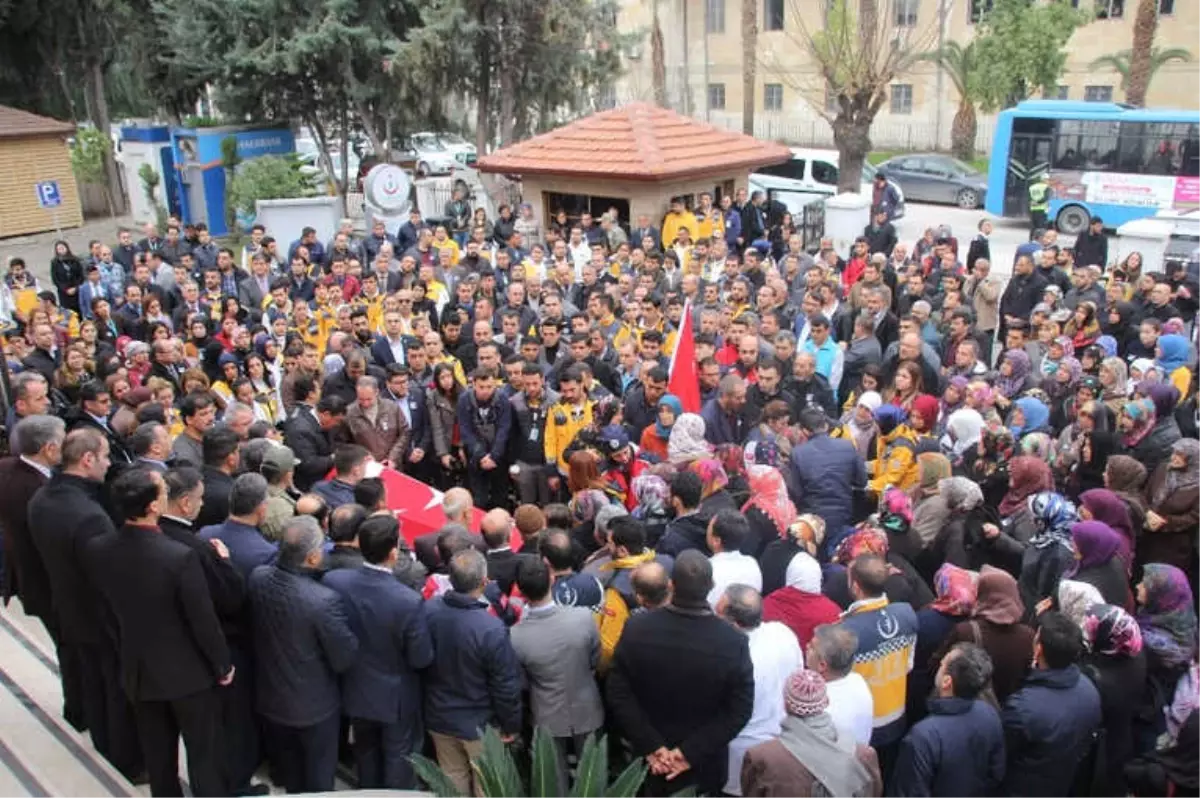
1072 220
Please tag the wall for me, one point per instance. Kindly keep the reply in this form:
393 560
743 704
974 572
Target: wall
285 218
24 162
783 59
644 197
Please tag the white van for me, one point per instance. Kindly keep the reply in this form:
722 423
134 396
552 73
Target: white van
810 175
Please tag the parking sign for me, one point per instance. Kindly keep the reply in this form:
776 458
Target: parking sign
48 194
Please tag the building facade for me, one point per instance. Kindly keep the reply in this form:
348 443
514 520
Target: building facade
704 64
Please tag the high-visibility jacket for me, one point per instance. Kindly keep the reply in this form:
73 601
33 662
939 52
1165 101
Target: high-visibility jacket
1039 196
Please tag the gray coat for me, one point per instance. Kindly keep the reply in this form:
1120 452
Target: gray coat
559 648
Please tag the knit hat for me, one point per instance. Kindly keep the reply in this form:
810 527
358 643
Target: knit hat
804 694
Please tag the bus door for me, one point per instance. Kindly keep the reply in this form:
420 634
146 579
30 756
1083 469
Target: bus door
1028 157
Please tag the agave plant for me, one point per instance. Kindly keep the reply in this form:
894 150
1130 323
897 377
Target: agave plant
497 773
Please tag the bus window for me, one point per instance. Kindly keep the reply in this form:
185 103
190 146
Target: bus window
1087 145
1158 148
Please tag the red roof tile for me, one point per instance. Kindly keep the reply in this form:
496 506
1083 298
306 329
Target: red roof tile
638 141
14 123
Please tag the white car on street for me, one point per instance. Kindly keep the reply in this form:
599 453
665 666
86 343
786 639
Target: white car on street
811 175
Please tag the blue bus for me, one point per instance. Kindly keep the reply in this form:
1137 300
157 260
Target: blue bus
1102 159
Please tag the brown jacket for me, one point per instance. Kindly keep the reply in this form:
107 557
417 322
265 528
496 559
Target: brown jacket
769 769
1174 542
386 439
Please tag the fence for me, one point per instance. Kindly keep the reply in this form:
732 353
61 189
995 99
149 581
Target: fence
885 135
431 195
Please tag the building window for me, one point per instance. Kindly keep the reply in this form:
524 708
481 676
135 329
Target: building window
1110 9
773 14
906 13
773 97
1166 7
1056 93
902 98
714 16
1098 94
716 96
976 9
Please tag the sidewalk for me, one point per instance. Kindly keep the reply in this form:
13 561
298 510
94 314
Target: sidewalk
37 250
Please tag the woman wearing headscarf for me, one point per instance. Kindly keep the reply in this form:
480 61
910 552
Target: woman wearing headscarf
1126 477
1135 424
1027 476
1117 666
584 505
1028 416
732 459
1167 617
769 511
1072 599
805 534
810 757
713 496
1060 388
923 419
1089 454
654 438
996 626
1083 328
903 583
954 398
799 604
1013 378
1173 770
1155 446
1049 554
1101 504
961 542
686 442
1099 562
1114 383
929 515
964 429
954 600
1172 357
896 446
988 463
652 495
860 422
1173 499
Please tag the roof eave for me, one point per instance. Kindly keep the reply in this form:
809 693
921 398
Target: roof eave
636 176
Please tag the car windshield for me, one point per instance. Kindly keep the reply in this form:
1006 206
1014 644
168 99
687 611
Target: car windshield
427 141
453 139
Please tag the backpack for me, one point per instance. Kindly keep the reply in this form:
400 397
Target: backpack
611 619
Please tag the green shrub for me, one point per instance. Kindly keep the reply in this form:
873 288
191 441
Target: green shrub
268 177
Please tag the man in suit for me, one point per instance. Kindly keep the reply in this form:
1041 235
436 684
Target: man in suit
227 588
247 505
44 358
95 408
391 347
24 572
166 366
344 522
302 644
381 693
63 516
173 654
256 287
376 424
410 400
502 561
221 459
188 305
150 446
306 432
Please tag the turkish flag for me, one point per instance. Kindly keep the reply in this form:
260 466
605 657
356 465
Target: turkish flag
685 371
418 507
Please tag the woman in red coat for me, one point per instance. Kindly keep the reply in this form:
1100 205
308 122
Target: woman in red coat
800 605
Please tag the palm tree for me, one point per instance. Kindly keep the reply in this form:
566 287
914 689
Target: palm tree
959 63
658 64
1123 64
749 63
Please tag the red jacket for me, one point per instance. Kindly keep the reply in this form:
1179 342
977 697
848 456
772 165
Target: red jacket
801 612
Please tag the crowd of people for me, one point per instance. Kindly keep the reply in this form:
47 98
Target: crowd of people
926 532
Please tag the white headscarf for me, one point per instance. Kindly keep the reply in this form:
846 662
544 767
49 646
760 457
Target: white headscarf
686 442
804 574
964 428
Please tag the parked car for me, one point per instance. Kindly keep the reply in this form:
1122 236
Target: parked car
810 175
932 177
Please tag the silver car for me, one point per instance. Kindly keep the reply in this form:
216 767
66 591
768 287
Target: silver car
932 177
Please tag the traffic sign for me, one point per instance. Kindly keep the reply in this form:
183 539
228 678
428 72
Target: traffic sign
48 194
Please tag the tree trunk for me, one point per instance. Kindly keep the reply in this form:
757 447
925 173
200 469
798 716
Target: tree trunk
484 99
962 131
749 63
1144 25
658 60
852 136
98 109
508 106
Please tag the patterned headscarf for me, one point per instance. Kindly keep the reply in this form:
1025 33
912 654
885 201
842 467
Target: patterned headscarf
865 539
732 460
1141 411
1075 597
604 410
998 447
895 504
1181 480
809 531
687 440
1068 346
768 493
1120 372
1111 631
981 394
585 504
1053 515
1039 445
712 475
652 494
955 588
1057 389
1168 618
1012 386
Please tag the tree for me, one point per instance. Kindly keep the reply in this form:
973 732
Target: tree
1019 49
1122 64
658 60
959 64
1145 23
859 53
749 63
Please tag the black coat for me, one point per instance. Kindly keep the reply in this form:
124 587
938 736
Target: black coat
118 454
24 572
43 363
171 644
980 248
502 567
63 516
301 644
226 587
697 705
1121 682
314 453
342 556
217 485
